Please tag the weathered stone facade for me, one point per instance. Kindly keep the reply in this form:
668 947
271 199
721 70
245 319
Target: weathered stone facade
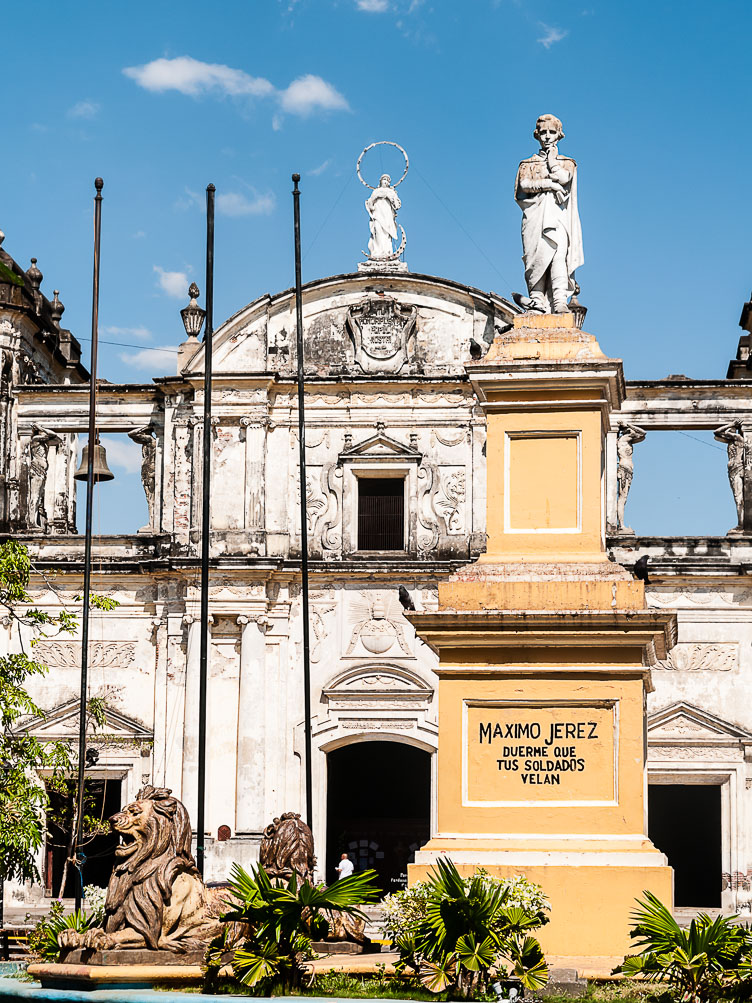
387 396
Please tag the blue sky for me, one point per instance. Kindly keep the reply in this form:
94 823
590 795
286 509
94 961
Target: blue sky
160 99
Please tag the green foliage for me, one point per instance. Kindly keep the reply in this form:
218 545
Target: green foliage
709 960
43 938
279 919
23 798
458 934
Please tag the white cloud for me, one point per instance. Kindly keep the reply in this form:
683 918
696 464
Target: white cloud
237 204
84 109
373 6
320 169
129 332
160 360
173 283
139 234
551 35
310 93
193 77
122 452
190 76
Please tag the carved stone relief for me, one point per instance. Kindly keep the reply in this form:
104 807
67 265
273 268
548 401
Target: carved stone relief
380 329
376 624
324 506
701 657
322 603
103 654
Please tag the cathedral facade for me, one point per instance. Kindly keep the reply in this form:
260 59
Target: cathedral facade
396 496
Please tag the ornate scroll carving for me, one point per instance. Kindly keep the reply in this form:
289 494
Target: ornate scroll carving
699 657
102 654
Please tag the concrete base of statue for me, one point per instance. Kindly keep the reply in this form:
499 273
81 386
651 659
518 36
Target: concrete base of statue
545 649
384 267
135 969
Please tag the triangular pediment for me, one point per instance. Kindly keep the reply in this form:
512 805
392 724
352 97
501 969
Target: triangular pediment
62 723
683 722
380 446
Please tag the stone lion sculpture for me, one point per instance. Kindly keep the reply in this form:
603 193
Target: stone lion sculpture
156 898
287 848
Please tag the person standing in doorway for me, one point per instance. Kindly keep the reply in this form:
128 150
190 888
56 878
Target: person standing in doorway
345 867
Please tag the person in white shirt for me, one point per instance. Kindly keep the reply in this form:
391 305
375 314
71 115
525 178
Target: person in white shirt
345 867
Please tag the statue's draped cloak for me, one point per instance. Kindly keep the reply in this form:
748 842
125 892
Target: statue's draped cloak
546 224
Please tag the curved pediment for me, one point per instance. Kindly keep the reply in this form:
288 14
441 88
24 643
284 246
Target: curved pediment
360 324
373 681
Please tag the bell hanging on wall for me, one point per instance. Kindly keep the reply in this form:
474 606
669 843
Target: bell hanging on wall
101 471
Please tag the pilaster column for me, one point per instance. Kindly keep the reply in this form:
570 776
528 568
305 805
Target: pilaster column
190 727
255 438
249 811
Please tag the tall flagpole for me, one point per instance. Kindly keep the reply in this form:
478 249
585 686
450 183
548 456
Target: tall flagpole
99 185
303 520
205 531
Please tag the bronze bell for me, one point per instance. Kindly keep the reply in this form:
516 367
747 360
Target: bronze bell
101 471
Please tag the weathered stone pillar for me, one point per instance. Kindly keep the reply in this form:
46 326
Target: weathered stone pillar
255 439
249 809
190 729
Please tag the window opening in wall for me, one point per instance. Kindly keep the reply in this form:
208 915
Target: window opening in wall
381 513
120 505
680 486
684 821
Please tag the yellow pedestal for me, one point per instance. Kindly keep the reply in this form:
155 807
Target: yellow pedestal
544 651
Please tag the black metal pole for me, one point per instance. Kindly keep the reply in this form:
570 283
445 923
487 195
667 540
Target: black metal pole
205 531
303 514
99 185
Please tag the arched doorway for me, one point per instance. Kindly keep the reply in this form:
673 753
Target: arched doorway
378 808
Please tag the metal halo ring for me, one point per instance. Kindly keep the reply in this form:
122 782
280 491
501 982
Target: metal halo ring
382 142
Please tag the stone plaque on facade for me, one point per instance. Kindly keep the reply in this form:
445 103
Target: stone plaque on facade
380 329
520 753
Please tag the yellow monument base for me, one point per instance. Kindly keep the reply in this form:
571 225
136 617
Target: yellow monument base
544 652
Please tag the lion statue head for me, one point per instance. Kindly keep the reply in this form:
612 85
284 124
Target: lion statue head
287 848
155 848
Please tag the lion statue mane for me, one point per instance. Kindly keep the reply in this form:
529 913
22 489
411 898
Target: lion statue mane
287 848
156 898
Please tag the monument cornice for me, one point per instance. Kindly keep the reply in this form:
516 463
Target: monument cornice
654 631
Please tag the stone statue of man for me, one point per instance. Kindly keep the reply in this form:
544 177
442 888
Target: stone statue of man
145 438
39 444
546 191
382 205
628 436
732 435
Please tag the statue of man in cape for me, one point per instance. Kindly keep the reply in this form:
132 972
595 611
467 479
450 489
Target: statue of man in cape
546 191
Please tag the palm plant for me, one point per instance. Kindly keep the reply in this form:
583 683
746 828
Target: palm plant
43 938
469 935
279 920
700 963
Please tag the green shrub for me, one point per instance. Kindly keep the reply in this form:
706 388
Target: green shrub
460 934
43 938
279 919
711 959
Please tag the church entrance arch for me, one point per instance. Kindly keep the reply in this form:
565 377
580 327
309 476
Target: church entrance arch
378 808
